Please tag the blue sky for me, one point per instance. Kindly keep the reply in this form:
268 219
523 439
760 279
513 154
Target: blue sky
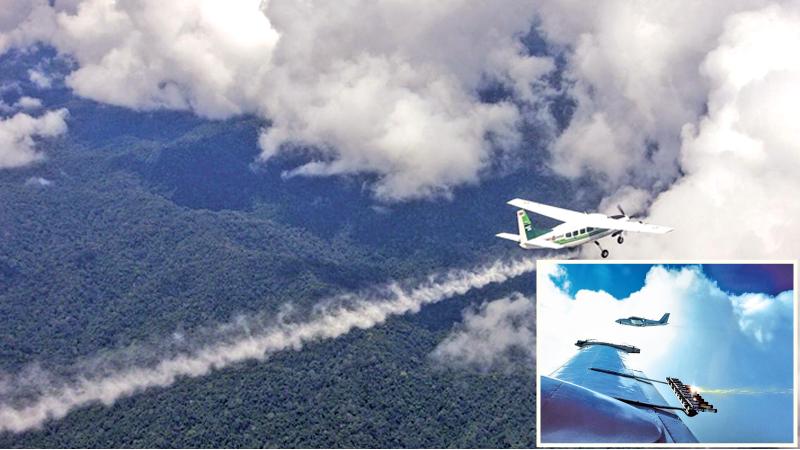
730 333
621 280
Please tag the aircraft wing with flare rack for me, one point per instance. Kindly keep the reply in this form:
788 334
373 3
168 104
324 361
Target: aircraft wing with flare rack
596 398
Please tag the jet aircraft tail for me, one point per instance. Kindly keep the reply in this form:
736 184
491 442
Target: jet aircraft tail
664 318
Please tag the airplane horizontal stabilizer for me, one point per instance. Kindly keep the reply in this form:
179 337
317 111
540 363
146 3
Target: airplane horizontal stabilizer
509 236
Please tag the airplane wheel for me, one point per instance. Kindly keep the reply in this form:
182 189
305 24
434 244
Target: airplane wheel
620 240
604 253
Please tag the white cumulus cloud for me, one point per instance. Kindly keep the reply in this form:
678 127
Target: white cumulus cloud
26 102
741 160
40 79
18 135
685 109
382 88
492 336
762 316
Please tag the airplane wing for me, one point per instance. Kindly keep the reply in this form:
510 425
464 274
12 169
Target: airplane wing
588 220
599 221
560 214
596 398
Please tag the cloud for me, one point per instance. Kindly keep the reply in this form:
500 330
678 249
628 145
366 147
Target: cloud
205 56
682 109
38 181
32 397
26 102
762 316
388 89
40 79
690 104
633 72
25 22
742 158
591 314
497 335
23 103
17 133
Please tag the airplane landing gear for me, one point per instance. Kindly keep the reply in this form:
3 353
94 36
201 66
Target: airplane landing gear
620 239
603 252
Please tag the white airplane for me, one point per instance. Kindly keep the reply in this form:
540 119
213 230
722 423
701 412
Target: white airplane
578 228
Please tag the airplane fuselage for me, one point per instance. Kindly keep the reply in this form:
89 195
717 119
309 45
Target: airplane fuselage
570 235
576 228
639 322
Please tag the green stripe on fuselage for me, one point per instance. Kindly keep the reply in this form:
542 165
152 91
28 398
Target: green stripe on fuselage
594 232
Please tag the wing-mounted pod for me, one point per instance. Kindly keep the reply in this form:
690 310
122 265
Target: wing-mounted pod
625 348
692 402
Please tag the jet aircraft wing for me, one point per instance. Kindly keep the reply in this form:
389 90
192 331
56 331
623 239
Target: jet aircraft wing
560 214
596 398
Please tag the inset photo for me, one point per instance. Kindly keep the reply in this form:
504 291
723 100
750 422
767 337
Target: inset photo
672 354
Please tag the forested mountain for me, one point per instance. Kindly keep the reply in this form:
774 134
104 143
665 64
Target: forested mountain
140 225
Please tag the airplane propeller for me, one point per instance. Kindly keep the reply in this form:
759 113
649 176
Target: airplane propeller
622 215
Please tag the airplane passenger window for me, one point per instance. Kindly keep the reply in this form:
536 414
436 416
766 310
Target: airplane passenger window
569 234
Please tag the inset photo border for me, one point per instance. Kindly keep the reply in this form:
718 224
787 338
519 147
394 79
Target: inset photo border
666 353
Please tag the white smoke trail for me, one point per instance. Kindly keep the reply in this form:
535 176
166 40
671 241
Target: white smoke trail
338 316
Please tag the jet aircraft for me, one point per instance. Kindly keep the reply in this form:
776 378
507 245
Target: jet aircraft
577 228
595 398
640 322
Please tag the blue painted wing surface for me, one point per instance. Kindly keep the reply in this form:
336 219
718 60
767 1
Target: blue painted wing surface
596 398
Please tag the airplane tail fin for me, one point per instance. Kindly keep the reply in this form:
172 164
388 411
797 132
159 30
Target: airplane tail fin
527 233
664 318
525 226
